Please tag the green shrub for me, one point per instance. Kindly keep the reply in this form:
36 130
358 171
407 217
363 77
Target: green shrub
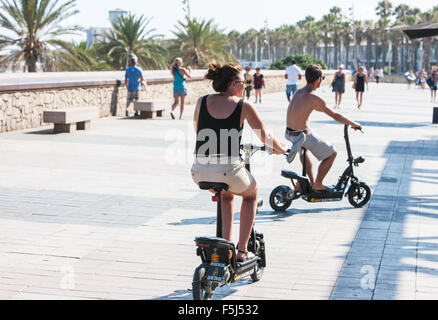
303 61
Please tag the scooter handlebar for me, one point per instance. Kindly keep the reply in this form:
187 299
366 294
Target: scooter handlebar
253 148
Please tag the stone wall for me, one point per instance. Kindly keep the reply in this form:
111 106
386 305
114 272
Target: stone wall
22 106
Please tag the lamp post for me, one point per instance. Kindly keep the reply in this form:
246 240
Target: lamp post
356 51
186 7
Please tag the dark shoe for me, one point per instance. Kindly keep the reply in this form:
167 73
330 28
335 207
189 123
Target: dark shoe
172 115
127 113
245 256
136 115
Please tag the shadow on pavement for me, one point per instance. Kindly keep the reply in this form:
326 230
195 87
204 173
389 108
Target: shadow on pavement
389 247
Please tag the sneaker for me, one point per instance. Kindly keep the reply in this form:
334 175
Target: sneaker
260 101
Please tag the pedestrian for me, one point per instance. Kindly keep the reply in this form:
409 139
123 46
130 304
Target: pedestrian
180 74
219 121
377 75
381 75
133 81
259 85
293 75
249 82
410 77
360 79
338 85
422 78
371 75
432 81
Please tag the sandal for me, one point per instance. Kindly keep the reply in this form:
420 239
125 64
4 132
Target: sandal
243 256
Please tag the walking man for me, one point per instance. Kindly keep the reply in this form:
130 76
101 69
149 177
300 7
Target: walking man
133 81
293 75
302 105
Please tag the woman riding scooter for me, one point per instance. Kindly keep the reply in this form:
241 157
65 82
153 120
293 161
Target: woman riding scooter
219 119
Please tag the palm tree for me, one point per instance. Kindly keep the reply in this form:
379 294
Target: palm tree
199 42
369 34
35 29
326 28
407 16
131 35
347 39
384 11
235 43
425 17
249 38
74 57
360 34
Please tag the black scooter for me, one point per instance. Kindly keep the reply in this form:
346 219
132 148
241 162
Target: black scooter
359 193
219 260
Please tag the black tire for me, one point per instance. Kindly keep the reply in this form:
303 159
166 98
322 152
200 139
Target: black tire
359 195
258 269
199 293
280 203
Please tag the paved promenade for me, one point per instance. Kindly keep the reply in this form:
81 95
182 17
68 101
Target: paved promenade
112 213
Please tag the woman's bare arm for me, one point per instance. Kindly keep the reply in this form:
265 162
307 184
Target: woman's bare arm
250 114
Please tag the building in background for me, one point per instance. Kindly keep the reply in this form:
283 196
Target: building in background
97 33
114 15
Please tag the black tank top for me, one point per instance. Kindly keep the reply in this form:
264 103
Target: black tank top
219 137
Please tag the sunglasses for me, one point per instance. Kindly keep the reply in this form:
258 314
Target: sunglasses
322 78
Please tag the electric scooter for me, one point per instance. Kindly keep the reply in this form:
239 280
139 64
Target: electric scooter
219 259
359 193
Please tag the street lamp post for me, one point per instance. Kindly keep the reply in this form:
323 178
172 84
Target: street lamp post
186 8
356 51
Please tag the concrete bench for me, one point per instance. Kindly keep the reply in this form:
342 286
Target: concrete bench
71 119
151 109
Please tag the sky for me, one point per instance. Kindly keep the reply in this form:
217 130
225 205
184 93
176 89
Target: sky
227 14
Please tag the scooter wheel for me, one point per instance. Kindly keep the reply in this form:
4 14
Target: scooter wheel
259 268
279 199
359 195
198 285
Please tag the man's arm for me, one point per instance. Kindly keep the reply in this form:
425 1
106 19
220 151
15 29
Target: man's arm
321 106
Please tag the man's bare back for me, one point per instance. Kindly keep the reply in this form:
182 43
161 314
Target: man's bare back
300 108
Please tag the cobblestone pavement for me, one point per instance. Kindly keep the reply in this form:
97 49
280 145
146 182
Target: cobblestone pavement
112 213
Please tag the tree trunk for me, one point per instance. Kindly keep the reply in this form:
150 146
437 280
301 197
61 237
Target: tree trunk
369 52
427 45
31 64
395 59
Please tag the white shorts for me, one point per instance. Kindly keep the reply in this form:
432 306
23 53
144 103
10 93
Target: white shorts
319 148
235 175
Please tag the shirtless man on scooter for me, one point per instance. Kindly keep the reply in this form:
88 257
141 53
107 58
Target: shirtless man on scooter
298 132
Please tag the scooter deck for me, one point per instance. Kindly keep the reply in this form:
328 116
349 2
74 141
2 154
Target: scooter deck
324 196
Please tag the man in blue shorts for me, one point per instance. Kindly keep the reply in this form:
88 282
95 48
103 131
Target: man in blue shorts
293 75
133 81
